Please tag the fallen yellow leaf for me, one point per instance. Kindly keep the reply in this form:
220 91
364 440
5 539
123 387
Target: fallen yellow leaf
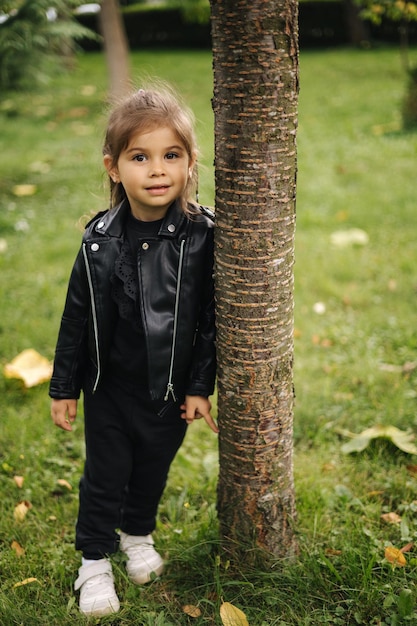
391 518
17 548
21 510
29 366
27 581
24 190
349 237
19 481
232 616
64 483
191 610
395 556
400 438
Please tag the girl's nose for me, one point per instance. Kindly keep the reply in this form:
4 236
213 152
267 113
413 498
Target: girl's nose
156 169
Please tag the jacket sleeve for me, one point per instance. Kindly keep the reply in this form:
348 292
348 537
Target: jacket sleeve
71 348
203 369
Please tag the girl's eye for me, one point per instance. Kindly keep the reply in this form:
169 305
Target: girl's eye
171 155
139 157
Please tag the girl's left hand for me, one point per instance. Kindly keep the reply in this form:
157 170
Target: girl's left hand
196 407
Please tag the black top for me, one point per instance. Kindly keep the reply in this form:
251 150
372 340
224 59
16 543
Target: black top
128 357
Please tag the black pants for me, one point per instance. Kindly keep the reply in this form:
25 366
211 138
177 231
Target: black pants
131 442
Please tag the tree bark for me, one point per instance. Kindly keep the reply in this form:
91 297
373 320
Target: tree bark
255 60
116 48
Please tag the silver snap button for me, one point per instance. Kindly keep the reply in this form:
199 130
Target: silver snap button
171 228
95 247
145 246
100 224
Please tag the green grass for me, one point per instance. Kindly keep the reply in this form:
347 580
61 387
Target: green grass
356 170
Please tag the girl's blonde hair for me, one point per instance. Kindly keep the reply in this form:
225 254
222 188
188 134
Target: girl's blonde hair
145 110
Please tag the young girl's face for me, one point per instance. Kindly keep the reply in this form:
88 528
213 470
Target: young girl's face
154 170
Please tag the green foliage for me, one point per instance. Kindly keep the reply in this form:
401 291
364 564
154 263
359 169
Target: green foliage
195 11
36 35
402 12
395 10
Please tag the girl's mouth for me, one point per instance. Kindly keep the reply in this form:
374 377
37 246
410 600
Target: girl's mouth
157 189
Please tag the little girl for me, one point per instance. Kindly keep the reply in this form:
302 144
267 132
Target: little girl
137 336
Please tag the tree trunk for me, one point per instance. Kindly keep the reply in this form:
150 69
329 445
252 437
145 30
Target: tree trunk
255 59
358 31
116 47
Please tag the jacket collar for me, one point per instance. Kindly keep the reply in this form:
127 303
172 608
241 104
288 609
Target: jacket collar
112 223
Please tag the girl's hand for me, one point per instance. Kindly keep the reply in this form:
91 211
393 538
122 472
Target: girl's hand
63 413
196 407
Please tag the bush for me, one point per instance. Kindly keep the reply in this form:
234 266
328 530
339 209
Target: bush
33 38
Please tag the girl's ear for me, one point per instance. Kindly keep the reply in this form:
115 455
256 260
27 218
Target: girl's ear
112 171
191 164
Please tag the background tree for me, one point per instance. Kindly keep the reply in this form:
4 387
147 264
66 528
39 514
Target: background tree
36 36
116 47
402 12
255 57
356 27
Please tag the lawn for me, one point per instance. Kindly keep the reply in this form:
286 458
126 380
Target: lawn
355 356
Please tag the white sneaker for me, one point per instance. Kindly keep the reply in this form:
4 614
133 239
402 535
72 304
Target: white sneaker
96 584
142 558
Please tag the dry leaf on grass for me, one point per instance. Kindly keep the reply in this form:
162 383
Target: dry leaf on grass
191 610
29 366
400 438
391 518
20 510
18 481
407 547
395 556
64 483
27 581
232 616
349 237
24 190
18 548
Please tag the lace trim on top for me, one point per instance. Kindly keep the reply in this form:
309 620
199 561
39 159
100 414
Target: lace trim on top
125 287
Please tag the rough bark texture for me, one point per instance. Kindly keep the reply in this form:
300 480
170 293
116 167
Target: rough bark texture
116 48
255 59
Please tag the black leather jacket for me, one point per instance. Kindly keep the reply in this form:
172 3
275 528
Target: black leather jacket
176 290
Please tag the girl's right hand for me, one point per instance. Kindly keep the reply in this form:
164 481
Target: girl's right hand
63 413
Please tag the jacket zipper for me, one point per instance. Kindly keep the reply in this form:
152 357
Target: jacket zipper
94 315
170 385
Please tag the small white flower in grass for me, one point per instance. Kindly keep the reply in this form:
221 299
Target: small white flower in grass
319 308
